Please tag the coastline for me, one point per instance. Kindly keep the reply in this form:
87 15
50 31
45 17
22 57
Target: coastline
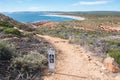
67 16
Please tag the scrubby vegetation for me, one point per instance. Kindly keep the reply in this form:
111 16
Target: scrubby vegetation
30 59
22 54
115 53
8 28
30 62
12 31
5 24
6 52
25 67
25 56
95 41
116 43
88 33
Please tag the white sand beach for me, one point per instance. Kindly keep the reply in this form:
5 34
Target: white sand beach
67 16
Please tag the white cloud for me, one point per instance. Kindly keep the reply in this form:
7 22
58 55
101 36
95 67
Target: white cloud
91 2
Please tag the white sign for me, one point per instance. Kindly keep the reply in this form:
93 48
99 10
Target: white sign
51 60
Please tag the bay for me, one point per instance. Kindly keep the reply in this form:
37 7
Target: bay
35 17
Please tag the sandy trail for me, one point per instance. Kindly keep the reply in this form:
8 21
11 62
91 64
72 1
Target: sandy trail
73 63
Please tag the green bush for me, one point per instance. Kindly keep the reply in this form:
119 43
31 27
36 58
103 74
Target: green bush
5 24
6 53
114 43
12 31
115 54
1 29
29 62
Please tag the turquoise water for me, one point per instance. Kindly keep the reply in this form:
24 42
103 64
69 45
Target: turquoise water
35 17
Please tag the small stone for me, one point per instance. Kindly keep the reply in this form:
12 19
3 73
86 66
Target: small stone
111 65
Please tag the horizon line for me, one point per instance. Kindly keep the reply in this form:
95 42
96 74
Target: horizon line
65 11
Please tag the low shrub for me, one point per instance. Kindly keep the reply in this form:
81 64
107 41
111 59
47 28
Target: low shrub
29 34
30 62
117 43
6 53
98 41
12 31
27 67
5 24
1 29
115 53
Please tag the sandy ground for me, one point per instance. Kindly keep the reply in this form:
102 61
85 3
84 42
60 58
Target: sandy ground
111 28
67 16
73 63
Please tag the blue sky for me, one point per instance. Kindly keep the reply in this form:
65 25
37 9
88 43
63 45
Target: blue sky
59 5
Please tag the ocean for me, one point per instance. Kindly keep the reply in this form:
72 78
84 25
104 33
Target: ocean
35 17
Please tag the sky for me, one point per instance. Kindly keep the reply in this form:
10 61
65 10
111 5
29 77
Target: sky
59 5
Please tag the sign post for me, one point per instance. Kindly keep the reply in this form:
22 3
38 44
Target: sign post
51 60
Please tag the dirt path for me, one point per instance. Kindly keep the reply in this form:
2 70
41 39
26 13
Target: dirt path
73 63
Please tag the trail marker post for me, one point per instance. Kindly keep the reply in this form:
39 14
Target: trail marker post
51 60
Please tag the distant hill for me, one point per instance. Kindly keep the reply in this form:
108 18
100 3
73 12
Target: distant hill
94 14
